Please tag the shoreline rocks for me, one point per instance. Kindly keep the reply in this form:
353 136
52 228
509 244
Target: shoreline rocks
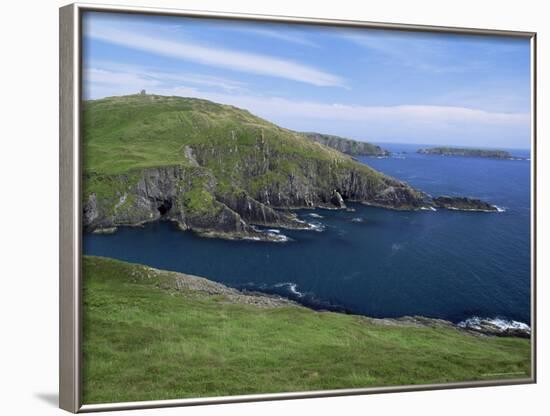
496 327
463 204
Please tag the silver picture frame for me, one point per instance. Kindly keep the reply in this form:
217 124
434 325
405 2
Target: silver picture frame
70 217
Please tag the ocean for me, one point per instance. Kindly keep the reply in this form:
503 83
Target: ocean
382 263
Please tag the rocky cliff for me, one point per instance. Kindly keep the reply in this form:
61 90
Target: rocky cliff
347 146
216 170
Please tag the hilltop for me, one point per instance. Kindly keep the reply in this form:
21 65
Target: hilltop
216 169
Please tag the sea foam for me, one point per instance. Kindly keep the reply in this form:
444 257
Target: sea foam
476 322
291 287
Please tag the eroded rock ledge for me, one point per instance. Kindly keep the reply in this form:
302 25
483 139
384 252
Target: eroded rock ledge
189 196
463 204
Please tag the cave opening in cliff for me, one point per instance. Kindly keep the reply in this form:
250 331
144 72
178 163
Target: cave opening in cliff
164 207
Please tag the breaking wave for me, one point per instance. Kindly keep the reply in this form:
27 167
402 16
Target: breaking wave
316 226
292 288
290 291
501 324
312 226
273 233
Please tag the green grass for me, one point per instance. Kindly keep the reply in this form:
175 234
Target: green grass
146 341
132 132
127 134
236 150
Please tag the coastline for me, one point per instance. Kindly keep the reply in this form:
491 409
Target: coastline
258 231
178 281
166 330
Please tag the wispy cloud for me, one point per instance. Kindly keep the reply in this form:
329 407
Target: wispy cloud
116 79
401 123
135 75
286 35
430 116
421 123
422 52
212 56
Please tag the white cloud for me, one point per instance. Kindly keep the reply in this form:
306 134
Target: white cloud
218 57
402 123
427 115
407 123
117 78
113 72
204 80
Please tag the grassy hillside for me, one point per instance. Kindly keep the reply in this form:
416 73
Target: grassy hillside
145 339
213 167
140 131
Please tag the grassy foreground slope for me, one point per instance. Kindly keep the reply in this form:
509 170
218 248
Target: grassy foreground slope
145 338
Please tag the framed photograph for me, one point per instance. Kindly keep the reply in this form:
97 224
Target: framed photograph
260 207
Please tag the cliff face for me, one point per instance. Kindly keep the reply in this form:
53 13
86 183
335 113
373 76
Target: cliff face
347 146
191 197
216 170
174 193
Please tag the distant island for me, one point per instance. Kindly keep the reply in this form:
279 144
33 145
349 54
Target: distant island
347 146
468 152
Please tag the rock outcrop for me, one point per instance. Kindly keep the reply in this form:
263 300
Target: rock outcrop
182 195
496 327
182 282
347 146
474 326
463 204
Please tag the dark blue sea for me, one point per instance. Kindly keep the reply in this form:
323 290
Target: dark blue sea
382 263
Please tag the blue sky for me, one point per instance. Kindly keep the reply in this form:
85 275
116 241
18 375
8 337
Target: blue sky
366 84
